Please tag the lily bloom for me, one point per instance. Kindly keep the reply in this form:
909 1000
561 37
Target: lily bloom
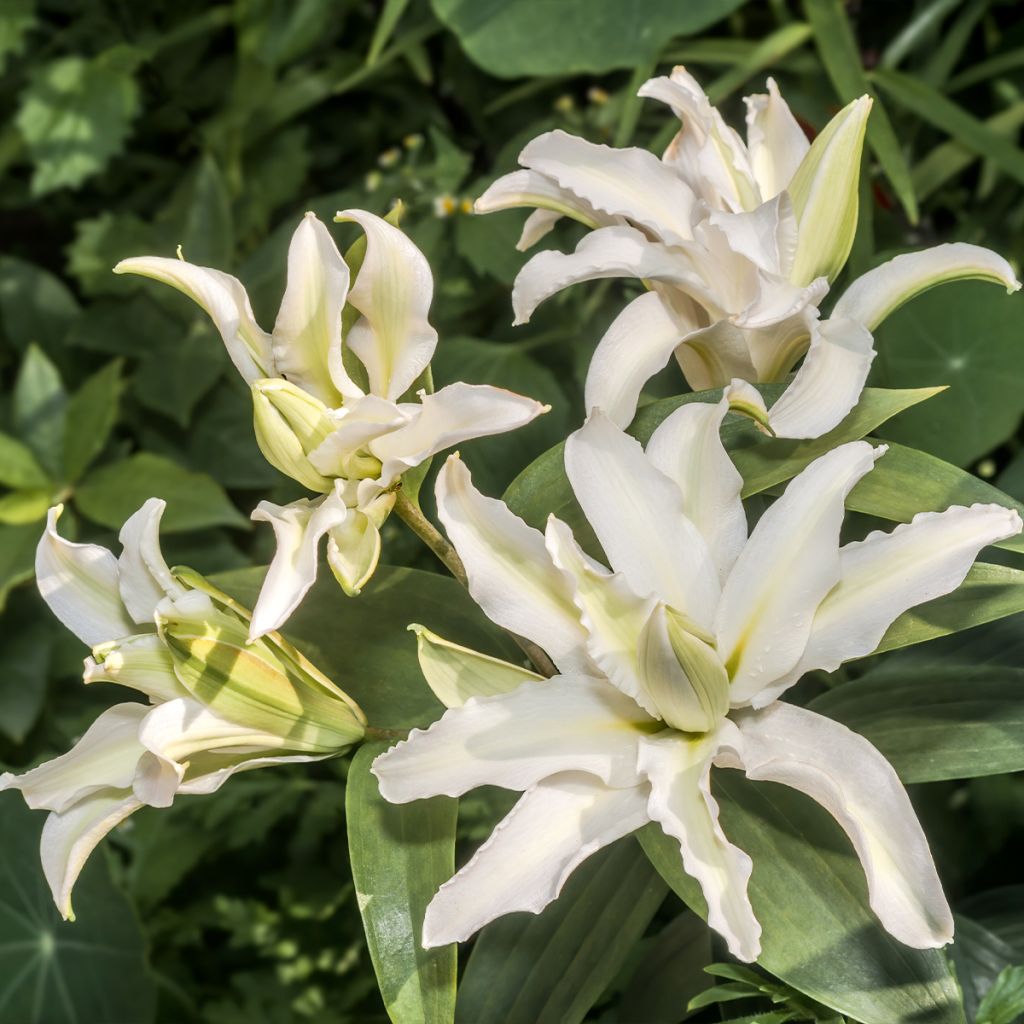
737 244
340 394
217 704
671 662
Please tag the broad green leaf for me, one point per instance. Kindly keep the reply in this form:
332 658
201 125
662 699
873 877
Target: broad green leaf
809 893
276 33
16 19
905 481
54 972
543 486
39 409
841 56
935 722
363 642
550 968
967 335
101 242
669 972
25 657
18 466
1001 911
400 855
988 593
509 38
35 305
110 494
978 956
17 556
1004 1001
90 417
76 114
931 106
495 460
206 230
28 506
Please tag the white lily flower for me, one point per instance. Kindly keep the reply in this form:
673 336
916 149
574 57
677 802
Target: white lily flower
736 242
670 663
217 705
332 394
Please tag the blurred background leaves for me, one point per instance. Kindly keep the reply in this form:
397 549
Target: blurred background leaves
134 128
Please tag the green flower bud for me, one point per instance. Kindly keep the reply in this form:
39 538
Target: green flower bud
289 424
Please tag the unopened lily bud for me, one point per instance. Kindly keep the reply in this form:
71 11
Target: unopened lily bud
825 197
289 424
266 685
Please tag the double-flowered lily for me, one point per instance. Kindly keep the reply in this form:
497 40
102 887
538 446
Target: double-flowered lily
340 393
673 661
737 243
217 704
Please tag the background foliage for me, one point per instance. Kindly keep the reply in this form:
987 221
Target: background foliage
132 128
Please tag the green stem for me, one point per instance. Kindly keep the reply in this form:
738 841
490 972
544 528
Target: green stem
412 515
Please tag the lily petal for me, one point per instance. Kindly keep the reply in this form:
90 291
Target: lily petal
143 577
885 574
223 299
513 740
775 140
785 570
637 514
715 355
456 673
353 550
678 769
858 787
619 182
106 756
879 292
607 252
80 584
393 289
830 381
454 414
555 826
69 838
510 574
639 342
307 333
531 188
687 447
298 528
539 224
141 662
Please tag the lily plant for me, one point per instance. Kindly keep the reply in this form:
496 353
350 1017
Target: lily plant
218 704
671 662
342 393
737 243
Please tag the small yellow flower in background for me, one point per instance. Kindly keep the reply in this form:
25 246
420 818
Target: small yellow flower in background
413 141
598 96
372 181
445 205
389 157
565 104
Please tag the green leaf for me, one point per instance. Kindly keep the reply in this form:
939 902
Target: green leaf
16 19
509 38
17 507
1004 1001
935 722
1001 911
363 642
35 305
809 893
905 481
391 12
110 494
931 106
989 592
773 49
978 957
75 116
400 855
90 417
24 668
18 466
967 335
495 460
764 462
841 56
103 241
53 972
17 556
550 968
207 232
39 409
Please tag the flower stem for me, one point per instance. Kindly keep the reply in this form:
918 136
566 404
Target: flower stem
412 515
